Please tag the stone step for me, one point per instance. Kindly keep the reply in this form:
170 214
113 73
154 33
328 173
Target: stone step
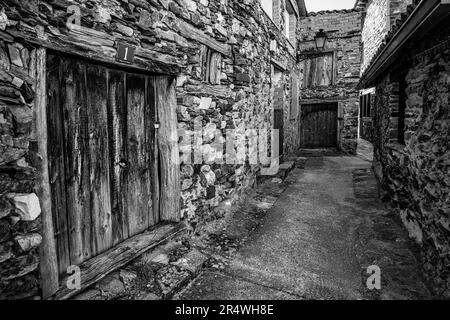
284 169
300 162
281 174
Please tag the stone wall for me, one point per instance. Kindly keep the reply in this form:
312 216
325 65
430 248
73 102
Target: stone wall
397 7
344 38
415 176
379 16
376 26
171 37
19 206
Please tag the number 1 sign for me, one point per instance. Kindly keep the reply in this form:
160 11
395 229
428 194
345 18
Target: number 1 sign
125 53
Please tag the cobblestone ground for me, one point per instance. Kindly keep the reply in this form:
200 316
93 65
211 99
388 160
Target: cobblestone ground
311 236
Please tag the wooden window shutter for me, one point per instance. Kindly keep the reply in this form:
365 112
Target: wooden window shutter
319 71
211 65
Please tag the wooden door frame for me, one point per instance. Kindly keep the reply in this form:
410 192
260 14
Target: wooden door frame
170 210
340 117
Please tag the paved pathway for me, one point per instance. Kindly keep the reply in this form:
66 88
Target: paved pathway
317 241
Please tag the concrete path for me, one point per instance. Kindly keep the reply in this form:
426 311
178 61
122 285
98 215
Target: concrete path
313 243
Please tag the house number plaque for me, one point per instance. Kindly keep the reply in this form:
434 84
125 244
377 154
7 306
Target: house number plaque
125 53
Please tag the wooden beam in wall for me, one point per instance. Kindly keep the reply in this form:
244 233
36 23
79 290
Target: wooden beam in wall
279 64
190 32
48 259
100 47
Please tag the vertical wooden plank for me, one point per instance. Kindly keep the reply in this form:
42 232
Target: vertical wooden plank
56 158
334 125
312 73
317 71
334 58
118 132
150 96
326 131
323 130
47 250
99 158
168 148
306 72
340 115
301 125
319 131
208 65
313 127
203 54
149 131
328 128
319 128
77 160
327 69
306 126
316 127
214 70
138 166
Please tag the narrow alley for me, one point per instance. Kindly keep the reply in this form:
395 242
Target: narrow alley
317 241
224 149
310 236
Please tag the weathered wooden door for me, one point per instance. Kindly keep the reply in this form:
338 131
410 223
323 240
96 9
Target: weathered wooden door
319 125
101 157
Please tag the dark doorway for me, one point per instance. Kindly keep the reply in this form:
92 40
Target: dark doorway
318 126
278 117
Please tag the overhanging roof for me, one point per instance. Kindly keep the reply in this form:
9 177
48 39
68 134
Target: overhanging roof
360 4
302 8
425 15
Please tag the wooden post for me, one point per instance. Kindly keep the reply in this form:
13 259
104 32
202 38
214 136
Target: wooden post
340 125
170 189
48 262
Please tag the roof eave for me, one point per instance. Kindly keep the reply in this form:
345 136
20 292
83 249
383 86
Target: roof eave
425 16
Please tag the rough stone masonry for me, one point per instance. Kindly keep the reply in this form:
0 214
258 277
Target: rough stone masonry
344 31
411 147
178 38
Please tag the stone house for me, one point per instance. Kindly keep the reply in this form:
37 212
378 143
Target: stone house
329 80
410 74
379 16
99 105
78 182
